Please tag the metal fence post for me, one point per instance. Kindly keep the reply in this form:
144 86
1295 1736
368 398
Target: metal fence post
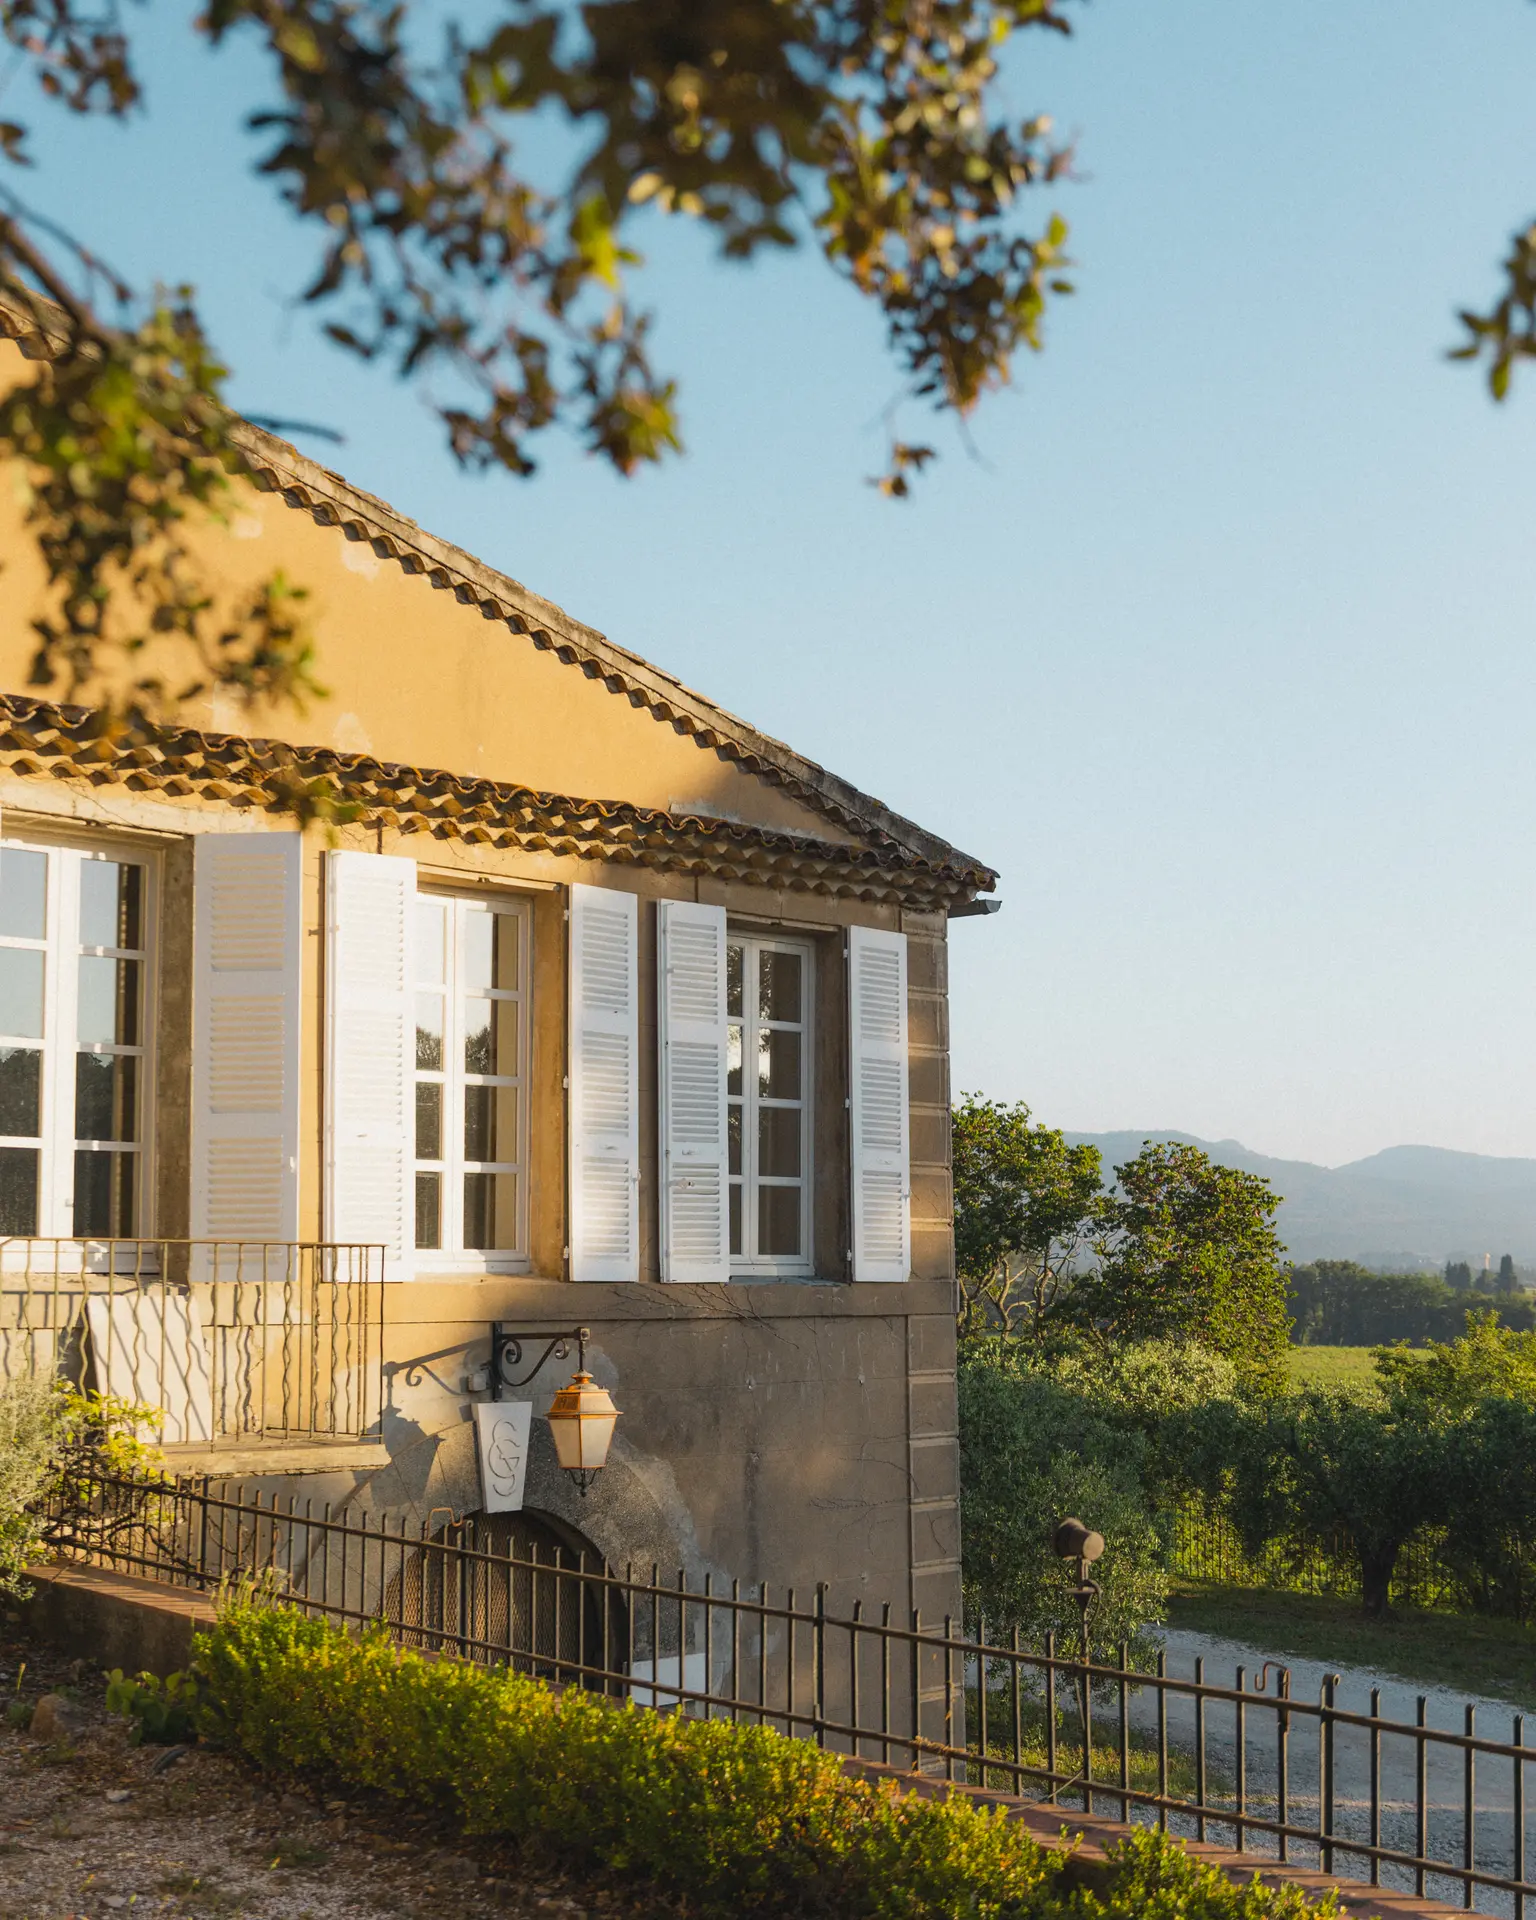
819 1633
1325 1768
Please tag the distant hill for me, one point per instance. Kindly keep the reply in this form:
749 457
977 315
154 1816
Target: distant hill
1405 1207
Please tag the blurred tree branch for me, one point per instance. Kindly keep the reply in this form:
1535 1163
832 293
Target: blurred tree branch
867 128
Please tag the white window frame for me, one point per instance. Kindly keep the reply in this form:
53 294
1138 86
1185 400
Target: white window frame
745 1265
60 1043
452 1257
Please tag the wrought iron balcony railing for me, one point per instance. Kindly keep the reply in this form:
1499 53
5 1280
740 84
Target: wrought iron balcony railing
228 1339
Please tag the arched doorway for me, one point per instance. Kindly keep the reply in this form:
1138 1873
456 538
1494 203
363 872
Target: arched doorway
513 1589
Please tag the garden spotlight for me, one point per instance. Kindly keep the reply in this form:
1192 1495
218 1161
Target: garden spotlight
1073 1541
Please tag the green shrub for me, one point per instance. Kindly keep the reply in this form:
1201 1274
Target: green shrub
34 1417
1154 1878
52 1438
735 1818
163 1712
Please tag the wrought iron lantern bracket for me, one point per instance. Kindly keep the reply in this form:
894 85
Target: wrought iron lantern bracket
510 1347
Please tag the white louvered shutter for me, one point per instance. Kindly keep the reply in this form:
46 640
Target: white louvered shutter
882 1179
695 1194
247 940
605 1085
370 1084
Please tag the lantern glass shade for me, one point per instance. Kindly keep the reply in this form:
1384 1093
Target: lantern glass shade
581 1420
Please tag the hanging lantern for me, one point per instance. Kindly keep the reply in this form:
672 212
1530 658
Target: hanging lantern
581 1419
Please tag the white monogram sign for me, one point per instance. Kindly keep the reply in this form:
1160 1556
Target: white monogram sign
501 1428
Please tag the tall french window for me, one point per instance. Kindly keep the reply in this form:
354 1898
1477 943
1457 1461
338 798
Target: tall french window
472 1004
74 934
768 1088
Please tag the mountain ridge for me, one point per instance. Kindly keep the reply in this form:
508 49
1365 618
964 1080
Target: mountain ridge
1404 1207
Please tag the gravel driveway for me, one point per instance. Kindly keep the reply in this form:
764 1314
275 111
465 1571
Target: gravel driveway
94 1829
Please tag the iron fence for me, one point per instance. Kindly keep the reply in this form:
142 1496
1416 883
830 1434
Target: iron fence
1255 1765
228 1339
1205 1545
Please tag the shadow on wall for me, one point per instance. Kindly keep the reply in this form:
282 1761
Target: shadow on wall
633 1513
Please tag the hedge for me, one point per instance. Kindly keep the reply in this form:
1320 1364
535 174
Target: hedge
729 1819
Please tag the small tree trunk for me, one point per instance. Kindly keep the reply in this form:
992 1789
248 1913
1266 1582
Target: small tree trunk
1376 1568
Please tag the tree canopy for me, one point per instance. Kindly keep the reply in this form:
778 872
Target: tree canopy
1026 1207
474 181
1188 1251
1182 1249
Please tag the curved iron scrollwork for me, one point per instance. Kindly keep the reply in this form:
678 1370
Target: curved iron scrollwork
510 1347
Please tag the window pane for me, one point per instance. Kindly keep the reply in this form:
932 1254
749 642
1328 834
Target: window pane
21 993
479 1053
21 1078
736 1218
507 956
18 1190
778 1064
778 991
490 1123
489 948
23 884
733 1137
490 1036
733 967
429 1121
490 1211
429 940
477 956
429 1033
109 1001
106 1107
110 903
429 1209
104 1184
733 1060
778 1142
778 1222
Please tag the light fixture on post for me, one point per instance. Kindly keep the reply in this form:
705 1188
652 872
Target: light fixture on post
581 1416
1073 1541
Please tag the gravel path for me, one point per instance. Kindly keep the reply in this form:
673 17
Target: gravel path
94 1829
1494 1835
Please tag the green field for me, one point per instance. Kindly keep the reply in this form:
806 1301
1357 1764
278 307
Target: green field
1329 1366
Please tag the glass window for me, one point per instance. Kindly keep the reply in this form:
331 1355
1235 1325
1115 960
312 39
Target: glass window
471 1042
768 1084
73 967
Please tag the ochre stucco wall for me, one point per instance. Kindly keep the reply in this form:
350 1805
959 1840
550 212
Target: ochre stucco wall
790 1432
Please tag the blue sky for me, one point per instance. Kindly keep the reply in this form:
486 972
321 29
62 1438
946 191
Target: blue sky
1222 647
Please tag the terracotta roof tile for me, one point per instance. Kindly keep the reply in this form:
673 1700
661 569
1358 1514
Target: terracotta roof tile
41 739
